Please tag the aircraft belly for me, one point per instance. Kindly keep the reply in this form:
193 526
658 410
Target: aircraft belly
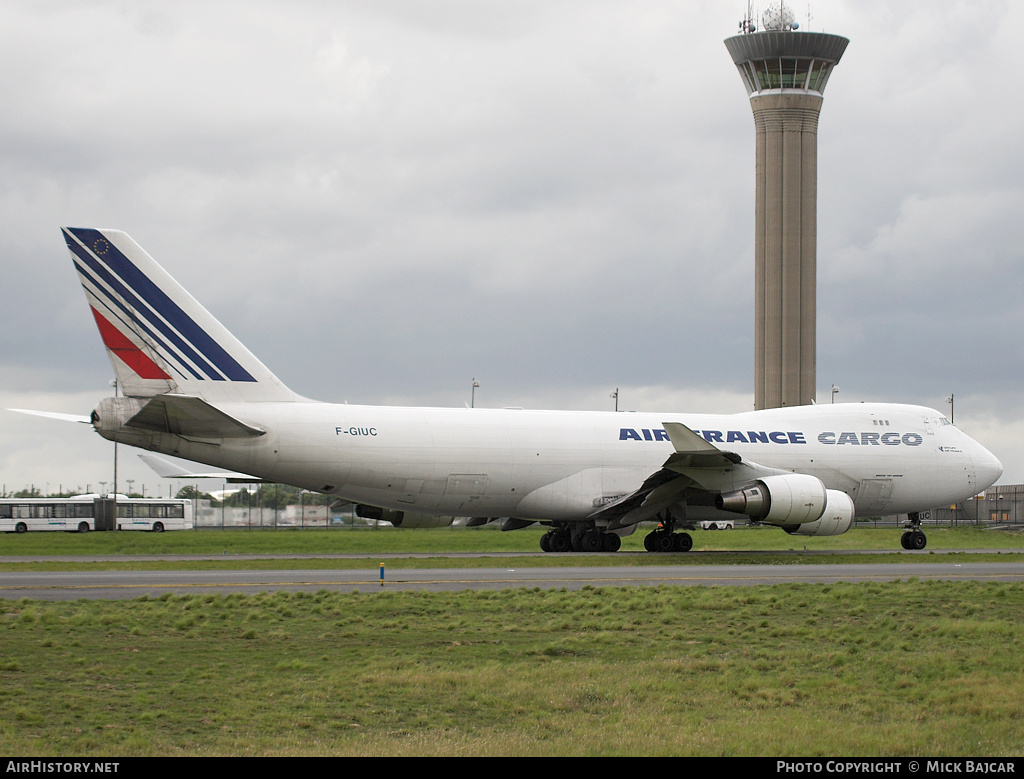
580 494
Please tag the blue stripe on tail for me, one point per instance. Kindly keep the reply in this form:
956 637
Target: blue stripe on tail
109 264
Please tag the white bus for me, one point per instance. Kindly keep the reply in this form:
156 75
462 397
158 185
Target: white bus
82 513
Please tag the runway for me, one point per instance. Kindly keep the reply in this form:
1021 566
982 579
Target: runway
120 585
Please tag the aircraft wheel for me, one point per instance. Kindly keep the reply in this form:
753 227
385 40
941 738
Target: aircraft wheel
918 540
560 541
591 541
611 542
905 540
682 542
545 542
664 542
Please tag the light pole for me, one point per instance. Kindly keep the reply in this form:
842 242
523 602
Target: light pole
117 393
835 389
472 393
949 400
616 396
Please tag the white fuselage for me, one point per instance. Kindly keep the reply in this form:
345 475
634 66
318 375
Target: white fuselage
562 465
190 388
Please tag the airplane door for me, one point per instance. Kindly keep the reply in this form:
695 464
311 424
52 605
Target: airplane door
411 494
873 495
463 492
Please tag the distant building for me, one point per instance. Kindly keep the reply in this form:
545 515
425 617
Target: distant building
305 515
1002 504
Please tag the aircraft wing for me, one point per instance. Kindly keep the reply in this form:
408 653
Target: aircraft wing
696 464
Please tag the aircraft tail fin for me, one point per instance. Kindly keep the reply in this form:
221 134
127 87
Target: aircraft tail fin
158 337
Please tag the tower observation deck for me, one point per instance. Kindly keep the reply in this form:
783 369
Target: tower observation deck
785 73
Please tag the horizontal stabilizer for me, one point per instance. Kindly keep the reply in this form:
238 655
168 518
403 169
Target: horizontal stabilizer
55 415
191 417
166 469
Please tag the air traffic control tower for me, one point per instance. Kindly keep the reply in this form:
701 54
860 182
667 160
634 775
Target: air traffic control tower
785 73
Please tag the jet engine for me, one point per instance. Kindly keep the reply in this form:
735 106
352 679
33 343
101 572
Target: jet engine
791 499
404 519
837 519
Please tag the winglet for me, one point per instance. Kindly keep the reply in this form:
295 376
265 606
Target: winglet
693 451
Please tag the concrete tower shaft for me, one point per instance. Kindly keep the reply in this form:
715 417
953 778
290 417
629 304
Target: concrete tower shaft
785 74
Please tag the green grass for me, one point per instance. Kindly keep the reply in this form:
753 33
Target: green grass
406 548
397 541
902 669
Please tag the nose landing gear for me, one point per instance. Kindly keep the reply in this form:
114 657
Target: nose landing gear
914 538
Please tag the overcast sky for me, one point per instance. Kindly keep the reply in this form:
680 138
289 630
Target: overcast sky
387 199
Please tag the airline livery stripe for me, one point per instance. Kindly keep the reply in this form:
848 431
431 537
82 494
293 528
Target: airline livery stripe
124 320
158 302
140 307
130 354
112 304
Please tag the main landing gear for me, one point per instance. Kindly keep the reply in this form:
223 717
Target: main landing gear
914 538
665 540
662 540
564 539
567 538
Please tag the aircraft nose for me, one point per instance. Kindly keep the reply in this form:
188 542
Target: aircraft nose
986 466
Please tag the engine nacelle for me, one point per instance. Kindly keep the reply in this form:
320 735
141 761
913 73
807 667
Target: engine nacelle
404 519
837 519
791 499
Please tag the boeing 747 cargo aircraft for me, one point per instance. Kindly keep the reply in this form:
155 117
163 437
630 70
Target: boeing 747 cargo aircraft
192 390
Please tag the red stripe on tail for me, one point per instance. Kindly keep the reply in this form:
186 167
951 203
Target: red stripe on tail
127 352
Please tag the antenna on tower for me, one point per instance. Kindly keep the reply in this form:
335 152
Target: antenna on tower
747 26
